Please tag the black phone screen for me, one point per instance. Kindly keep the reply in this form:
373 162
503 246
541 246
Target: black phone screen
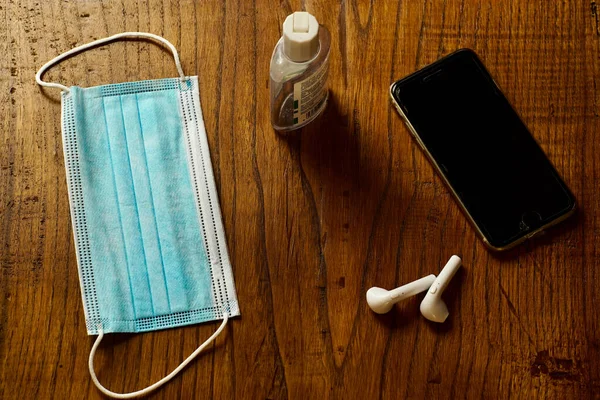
480 144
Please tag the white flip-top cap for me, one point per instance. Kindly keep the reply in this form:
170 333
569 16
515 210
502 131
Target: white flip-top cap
300 36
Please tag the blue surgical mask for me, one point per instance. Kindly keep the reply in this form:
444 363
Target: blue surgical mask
150 245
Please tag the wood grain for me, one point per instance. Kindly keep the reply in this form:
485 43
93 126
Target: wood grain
314 219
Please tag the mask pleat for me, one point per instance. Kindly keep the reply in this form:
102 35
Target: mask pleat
128 207
177 223
148 267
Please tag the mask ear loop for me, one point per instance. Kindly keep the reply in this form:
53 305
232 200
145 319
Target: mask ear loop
157 384
118 36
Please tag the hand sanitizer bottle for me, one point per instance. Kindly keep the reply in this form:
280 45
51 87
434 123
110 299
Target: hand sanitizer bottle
299 72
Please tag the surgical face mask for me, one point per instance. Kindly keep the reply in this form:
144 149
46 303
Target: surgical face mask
149 238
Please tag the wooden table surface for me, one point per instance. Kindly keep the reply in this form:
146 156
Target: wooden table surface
312 221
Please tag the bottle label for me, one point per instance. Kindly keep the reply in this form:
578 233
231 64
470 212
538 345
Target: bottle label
309 95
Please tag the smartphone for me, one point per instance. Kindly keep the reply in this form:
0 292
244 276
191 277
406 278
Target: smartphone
495 169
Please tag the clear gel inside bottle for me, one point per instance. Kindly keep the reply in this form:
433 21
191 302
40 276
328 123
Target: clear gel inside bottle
299 68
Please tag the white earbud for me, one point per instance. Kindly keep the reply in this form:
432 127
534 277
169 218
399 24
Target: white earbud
382 301
433 307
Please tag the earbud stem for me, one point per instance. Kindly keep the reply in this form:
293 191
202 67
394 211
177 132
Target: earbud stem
412 288
445 275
